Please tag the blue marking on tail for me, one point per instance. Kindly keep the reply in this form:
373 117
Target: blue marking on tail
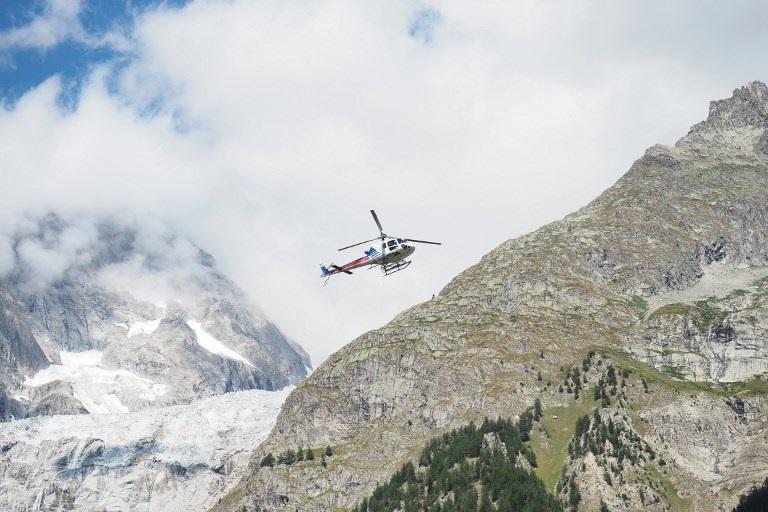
324 269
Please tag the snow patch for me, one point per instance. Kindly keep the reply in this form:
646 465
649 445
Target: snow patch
147 327
96 387
213 345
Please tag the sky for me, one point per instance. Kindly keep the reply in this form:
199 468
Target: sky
264 130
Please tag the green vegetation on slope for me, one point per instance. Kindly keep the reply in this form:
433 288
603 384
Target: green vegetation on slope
676 503
755 386
640 303
466 470
289 457
559 426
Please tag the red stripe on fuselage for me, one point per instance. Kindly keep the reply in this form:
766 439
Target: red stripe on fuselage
352 264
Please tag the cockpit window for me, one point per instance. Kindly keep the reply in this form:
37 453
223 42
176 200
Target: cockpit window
392 244
400 241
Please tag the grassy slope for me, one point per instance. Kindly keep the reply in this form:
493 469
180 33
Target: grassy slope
756 386
551 444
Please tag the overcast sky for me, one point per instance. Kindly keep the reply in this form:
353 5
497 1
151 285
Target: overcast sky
266 130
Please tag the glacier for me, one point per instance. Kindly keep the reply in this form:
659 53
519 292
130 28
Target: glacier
175 458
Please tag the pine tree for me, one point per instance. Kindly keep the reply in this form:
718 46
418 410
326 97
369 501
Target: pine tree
756 500
310 455
268 460
574 496
485 505
537 410
328 451
287 457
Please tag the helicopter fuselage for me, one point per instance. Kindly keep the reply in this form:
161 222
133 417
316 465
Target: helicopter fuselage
373 257
399 254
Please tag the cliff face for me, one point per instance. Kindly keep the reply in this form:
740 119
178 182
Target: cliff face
19 353
665 274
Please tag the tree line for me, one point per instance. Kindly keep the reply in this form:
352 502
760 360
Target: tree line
466 470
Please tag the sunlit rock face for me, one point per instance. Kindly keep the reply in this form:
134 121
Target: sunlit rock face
114 316
665 273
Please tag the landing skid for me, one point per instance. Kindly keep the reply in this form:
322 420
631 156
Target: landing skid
391 268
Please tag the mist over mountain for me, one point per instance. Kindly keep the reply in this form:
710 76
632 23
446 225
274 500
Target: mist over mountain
115 315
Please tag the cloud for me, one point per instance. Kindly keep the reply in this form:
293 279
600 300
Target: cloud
129 254
265 131
58 22
163 269
41 250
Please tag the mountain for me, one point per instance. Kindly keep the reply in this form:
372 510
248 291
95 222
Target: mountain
111 315
643 312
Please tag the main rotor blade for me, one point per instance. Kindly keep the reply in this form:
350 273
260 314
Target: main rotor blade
376 218
359 243
422 241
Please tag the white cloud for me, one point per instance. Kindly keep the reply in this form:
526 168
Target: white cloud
46 257
59 21
164 270
282 123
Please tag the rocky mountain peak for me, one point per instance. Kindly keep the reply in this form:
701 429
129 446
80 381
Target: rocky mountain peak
736 124
747 107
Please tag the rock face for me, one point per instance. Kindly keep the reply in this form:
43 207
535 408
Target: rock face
178 458
664 272
108 316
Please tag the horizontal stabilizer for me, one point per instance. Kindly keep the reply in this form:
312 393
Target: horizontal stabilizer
341 269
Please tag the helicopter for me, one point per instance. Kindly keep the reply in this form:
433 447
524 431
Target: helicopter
391 258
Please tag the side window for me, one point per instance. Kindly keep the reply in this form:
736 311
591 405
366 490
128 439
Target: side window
392 244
